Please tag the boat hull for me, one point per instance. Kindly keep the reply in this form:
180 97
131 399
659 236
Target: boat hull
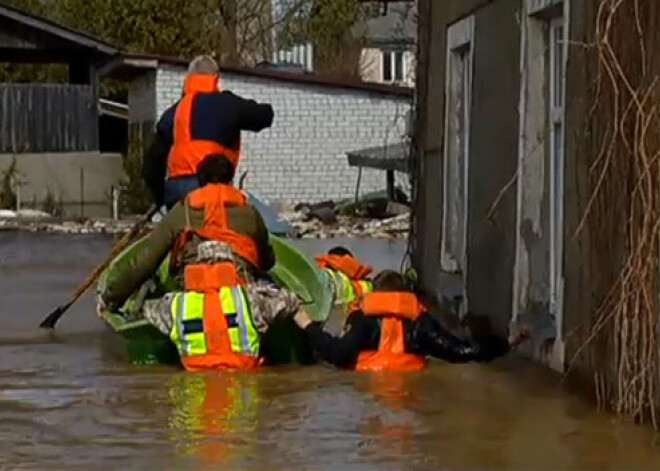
284 342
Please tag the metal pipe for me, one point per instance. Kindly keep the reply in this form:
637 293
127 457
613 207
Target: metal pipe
357 186
115 203
82 192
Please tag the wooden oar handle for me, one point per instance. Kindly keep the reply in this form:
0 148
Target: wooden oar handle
52 318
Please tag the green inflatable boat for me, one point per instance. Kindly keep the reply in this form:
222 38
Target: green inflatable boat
284 341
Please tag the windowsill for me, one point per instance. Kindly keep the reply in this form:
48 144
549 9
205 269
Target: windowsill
397 83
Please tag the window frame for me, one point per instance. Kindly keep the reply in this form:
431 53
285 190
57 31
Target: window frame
556 79
392 54
460 46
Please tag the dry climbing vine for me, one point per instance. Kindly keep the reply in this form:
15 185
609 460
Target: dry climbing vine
622 214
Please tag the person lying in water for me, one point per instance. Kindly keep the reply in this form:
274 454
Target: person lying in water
220 244
391 330
346 275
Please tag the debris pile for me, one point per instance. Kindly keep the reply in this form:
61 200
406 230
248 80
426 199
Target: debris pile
326 220
372 217
347 226
44 223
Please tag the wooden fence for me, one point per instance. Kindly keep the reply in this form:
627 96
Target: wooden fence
48 118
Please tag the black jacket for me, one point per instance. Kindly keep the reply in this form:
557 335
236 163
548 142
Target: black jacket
216 116
425 336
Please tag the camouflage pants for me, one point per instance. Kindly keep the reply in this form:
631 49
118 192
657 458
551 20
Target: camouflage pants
268 302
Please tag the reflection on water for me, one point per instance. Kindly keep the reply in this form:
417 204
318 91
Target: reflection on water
69 401
213 415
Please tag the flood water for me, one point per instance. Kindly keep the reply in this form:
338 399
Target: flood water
68 401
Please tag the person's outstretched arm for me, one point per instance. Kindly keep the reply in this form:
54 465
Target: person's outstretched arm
430 338
339 351
253 116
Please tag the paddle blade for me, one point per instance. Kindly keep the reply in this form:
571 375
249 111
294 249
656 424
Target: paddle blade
52 318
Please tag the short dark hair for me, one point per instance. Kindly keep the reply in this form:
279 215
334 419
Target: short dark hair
389 280
340 250
215 168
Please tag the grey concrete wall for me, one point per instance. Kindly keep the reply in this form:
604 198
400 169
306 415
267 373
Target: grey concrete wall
532 271
493 150
434 17
60 174
494 128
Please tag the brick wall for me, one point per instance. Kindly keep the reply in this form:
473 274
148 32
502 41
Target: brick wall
302 157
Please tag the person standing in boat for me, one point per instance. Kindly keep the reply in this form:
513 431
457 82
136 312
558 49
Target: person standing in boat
204 121
390 330
220 246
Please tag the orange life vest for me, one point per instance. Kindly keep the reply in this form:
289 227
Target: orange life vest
186 153
393 308
214 199
210 279
346 264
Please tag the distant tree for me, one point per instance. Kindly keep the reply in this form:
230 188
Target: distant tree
333 27
181 28
237 32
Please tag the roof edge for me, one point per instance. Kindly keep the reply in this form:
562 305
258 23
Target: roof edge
57 29
305 78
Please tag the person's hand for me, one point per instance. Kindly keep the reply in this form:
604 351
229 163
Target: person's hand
518 335
302 319
101 305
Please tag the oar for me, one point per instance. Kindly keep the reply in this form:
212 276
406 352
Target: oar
52 318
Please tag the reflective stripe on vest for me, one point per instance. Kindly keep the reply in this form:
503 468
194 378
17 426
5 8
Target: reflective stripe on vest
188 325
343 288
347 290
363 287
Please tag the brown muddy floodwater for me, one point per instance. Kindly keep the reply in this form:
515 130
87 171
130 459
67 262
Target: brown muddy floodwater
68 402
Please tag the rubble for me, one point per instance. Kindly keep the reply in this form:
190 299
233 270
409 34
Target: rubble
50 225
374 216
347 226
319 221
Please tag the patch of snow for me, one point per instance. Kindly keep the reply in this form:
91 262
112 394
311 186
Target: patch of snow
32 213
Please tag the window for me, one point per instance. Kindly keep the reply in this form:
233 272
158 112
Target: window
393 66
460 48
398 66
555 79
387 66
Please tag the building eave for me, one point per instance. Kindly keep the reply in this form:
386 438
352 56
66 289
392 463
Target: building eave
139 63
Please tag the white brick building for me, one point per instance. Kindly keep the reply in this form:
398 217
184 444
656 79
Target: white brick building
302 157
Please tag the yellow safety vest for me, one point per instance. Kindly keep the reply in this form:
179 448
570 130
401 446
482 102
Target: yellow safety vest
345 288
187 310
